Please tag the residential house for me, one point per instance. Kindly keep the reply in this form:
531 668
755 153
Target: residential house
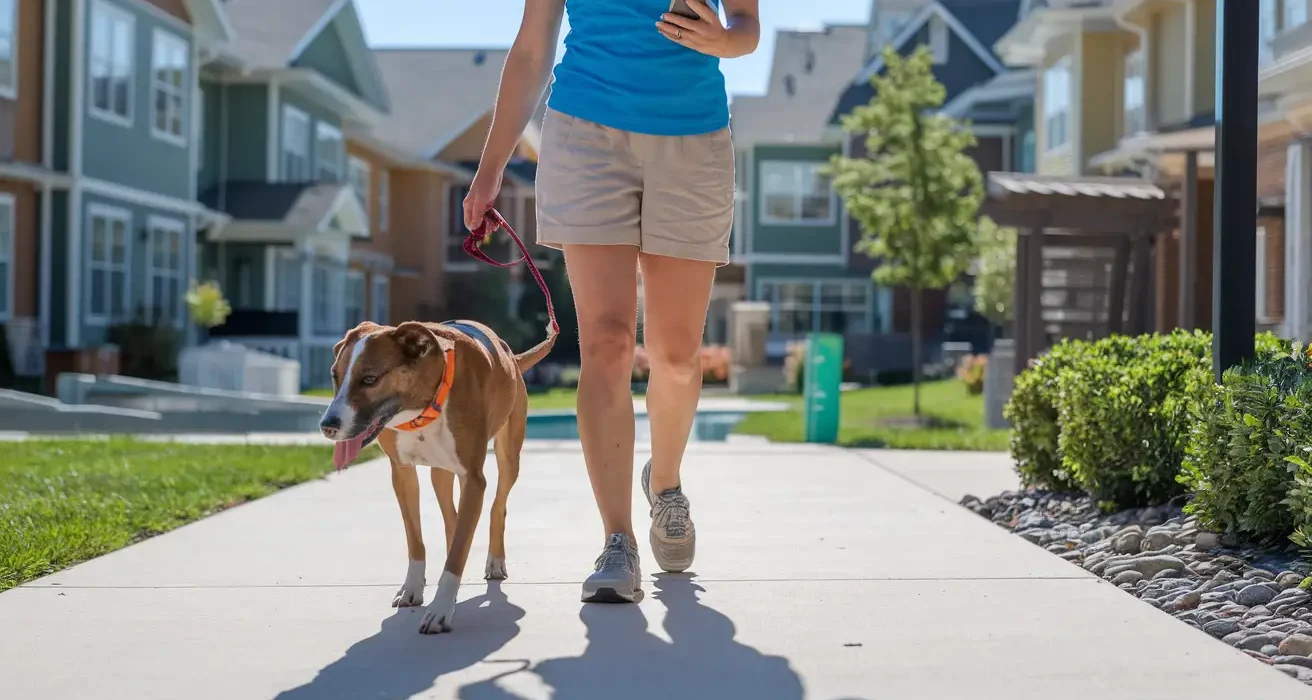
959 34
1285 166
117 242
26 178
275 172
787 245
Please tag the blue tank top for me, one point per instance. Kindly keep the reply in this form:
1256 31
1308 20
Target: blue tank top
620 71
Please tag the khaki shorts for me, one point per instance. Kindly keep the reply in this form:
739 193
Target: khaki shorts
666 195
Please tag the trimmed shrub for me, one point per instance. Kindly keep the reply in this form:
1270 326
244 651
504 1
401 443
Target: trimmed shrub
1122 412
1249 453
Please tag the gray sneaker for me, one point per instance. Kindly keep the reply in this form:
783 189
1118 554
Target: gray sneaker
616 577
673 537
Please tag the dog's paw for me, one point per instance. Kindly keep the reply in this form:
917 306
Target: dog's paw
496 569
408 598
437 618
411 592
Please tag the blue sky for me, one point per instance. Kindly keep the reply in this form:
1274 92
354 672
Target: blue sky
494 22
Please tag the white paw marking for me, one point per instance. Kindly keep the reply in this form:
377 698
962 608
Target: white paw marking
496 568
438 616
412 591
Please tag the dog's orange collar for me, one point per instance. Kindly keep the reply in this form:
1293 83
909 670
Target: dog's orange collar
433 411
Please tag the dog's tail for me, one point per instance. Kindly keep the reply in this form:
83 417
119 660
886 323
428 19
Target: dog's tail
534 355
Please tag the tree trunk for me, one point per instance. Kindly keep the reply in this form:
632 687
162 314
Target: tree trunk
916 362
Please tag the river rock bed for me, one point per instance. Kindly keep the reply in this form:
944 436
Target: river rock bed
1255 599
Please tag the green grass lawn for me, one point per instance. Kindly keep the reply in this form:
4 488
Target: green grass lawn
66 501
957 416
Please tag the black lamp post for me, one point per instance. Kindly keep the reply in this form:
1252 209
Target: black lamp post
1234 264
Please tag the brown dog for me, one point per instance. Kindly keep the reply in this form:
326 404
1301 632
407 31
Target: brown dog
435 394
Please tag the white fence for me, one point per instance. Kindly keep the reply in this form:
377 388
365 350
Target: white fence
235 367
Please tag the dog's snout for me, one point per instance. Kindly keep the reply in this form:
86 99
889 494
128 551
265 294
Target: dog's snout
331 425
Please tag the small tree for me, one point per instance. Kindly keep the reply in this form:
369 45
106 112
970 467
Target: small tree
916 193
996 280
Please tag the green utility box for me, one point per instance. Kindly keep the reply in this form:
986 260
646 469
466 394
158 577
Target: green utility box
820 386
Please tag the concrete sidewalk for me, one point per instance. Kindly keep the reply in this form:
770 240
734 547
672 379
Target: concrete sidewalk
820 574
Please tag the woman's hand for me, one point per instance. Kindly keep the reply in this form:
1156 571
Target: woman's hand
707 35
483 192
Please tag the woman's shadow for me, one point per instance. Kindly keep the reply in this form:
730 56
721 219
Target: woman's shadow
623 659
399 663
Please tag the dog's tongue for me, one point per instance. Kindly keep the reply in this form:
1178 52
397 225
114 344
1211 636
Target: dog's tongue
345 451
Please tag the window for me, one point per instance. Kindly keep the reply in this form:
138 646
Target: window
108 263
938 39
6 257
327 287
165 270
1295 13
354 298
9 48
1056 104
198 127
328 152
803 306
796 193
1135 114
360 176
379 299
169 79
112 48
384 200
287 286
295 145
1027 164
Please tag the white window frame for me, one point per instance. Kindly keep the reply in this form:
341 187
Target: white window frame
355 298
939 40
162 42
801 170
1058 75
156 225
817 305
8 219
287 147
384 284
110 214
360 176
324 132
10 89
113 13
384 200
1134 94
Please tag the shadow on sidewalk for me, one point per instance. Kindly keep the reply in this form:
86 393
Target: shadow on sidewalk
624 660
399 663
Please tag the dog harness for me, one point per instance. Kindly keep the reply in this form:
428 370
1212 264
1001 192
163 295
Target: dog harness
492 221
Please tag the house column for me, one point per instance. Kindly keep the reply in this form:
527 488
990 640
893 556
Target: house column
1298 240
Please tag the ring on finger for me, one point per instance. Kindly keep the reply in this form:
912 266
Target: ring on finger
678 34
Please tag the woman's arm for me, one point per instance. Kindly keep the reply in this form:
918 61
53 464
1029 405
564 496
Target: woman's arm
708 36
523 81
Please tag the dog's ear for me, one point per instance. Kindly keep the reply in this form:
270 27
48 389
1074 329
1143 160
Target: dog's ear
353 335
417 340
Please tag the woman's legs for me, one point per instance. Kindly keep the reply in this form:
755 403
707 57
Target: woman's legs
605 285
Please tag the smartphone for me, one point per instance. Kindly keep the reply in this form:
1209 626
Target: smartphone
680 7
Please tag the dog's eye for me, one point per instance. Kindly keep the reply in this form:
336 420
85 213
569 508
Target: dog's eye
368 380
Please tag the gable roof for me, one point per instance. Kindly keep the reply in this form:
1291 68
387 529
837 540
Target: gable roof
438 94
978 23
272 34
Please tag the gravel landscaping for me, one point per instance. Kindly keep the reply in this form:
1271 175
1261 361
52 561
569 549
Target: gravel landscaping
1255 599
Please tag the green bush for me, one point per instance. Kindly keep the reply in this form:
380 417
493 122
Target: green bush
1122 412
1248 455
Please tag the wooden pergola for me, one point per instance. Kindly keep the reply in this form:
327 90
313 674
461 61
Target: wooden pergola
1084 254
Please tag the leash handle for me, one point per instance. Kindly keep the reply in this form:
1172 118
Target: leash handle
492 220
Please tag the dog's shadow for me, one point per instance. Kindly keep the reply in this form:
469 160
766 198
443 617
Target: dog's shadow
399 663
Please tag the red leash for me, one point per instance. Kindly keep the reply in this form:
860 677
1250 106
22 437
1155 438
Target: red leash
493 220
